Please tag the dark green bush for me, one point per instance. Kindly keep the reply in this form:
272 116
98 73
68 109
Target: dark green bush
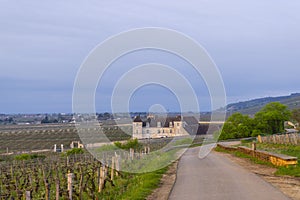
74 151
132 143
27 156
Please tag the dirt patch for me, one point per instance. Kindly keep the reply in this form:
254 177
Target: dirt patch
166 184
290 186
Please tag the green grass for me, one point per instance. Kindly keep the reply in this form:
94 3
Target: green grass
289 170
138 185
291 150
155 160
107 147
142 185
133 186
183 141
195 145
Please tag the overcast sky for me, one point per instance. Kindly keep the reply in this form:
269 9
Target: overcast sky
255 44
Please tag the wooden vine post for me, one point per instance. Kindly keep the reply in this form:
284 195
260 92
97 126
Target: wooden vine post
131 153
47 185
102 178
117 161
57 188
70 185
99 177
112 168
28 195
81 183
253 147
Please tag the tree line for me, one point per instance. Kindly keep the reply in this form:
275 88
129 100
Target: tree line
269 120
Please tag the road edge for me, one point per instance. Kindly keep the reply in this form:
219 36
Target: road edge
166 184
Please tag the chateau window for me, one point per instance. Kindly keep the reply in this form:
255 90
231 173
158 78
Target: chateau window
159 124
147 131
170 130
158 131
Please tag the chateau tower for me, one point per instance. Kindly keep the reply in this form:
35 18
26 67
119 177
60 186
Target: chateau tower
137 127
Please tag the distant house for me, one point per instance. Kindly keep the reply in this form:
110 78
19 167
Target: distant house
76 144
58 150
158 127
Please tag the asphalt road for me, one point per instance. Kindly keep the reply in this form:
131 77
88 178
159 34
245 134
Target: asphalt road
217 178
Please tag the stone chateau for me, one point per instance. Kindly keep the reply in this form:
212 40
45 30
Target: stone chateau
158 127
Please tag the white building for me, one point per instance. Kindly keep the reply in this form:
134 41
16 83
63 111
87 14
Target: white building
156 127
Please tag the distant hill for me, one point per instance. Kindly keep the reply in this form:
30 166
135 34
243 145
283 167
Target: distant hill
253 106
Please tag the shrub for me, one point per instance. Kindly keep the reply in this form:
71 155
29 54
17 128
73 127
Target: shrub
26 156
75 151
132 143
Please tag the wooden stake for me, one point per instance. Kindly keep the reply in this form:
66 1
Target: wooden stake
57 189
47 185
112 168
28 195
101 182
99 178
81 183
131 153
117 159
70 185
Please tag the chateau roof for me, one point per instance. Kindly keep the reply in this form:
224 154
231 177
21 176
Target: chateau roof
137 119
165 122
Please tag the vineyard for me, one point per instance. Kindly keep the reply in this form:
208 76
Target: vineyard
47 179
37 137
78 177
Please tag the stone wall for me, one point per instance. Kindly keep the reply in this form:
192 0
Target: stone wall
275 159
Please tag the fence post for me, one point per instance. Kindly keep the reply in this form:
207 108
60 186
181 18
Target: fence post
253 148
70 185
28 195
99 177
117 160
287 138
259 139
57 189
131 153
274 139
295 139
102 178
105 171
112 168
